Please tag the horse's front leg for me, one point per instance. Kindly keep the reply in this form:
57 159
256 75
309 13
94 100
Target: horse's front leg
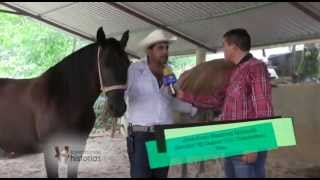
51 163
79 141
75 158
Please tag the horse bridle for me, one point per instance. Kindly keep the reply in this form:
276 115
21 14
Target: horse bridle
104 88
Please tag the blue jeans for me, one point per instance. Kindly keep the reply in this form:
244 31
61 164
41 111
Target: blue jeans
236 168
139 163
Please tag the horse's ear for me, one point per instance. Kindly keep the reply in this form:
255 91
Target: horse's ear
100 36
124 39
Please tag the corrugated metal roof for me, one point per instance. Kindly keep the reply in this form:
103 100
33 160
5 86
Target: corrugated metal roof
313 6
89 16
200 22
272 24
173 13
40 7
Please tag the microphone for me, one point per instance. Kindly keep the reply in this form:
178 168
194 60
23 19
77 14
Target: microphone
169 79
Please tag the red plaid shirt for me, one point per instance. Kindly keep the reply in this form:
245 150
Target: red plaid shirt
248 95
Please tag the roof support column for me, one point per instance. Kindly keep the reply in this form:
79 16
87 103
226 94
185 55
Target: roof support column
200 55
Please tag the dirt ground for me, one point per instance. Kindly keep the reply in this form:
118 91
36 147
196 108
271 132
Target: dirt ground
115 164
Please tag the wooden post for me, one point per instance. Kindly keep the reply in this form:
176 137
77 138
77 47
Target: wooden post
293 61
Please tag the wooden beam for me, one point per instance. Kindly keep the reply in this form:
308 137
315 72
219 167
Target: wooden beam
306 10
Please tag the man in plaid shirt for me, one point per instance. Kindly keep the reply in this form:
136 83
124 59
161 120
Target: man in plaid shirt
248 96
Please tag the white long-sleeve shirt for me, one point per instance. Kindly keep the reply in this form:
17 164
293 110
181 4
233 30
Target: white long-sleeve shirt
148 104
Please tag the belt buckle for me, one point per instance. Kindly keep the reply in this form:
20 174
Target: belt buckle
151 129
144 128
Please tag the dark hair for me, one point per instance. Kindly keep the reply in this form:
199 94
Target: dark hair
240 37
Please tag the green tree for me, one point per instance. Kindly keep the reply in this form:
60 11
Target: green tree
28 47
310 63
181 63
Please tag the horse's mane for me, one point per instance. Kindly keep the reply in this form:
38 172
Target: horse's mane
70 77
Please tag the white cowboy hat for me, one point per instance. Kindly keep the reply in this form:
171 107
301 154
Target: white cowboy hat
155 37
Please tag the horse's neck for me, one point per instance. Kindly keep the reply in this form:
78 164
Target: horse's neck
74 81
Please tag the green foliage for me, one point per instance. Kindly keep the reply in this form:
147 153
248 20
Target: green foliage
98 109
28 48
182 63
311 63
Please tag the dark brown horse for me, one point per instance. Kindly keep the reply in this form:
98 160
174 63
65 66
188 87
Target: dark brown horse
56 109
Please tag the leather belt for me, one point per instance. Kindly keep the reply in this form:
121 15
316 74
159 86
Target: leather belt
138 128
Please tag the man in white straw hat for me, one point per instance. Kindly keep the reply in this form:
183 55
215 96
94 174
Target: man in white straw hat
155 37
149 102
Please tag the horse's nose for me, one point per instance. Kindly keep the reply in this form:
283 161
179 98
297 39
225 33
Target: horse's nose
122 110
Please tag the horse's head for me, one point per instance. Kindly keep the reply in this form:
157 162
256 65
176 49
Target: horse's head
113 64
